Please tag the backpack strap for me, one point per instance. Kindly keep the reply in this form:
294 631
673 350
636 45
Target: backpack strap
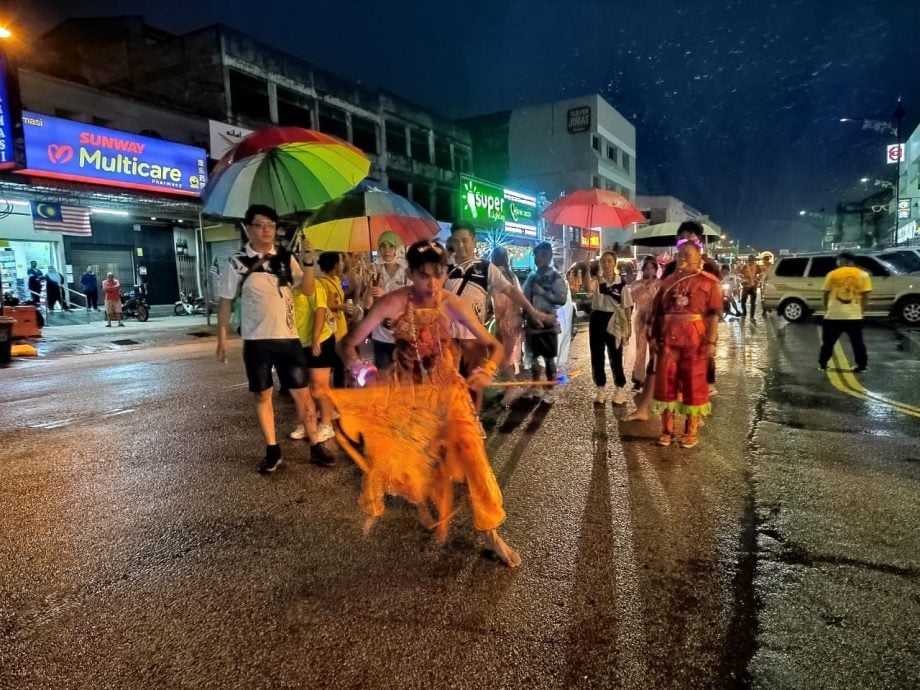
468 273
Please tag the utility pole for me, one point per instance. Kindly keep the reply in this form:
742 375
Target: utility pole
899 113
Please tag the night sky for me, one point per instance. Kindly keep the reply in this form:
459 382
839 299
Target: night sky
736 103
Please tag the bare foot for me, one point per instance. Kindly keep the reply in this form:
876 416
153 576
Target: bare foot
505 553
637 416
369 525
425 517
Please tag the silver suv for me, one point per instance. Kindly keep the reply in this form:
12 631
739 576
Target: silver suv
793 287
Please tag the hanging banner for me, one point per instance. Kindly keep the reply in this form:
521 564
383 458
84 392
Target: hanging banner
68 150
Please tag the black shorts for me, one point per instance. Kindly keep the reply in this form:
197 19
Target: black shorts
286 356
544 344
327 357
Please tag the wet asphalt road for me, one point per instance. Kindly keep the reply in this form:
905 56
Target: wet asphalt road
139 547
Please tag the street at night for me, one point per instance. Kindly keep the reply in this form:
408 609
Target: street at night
142 549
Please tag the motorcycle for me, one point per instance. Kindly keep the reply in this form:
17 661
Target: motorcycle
188 305
134 304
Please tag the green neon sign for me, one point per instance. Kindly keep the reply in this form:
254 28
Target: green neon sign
481 202
489 204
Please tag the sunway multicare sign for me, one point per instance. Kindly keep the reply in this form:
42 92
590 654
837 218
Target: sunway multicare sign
77 151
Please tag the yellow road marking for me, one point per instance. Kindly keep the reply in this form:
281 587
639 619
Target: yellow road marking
843 379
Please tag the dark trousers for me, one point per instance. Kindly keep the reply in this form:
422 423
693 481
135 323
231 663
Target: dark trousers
92 299
748 293
832 329
602 343
53 296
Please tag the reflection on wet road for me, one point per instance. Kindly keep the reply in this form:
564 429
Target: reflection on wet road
140 548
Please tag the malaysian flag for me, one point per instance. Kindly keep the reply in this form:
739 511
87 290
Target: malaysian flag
69 220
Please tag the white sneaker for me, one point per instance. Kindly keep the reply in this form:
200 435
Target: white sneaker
601 396
713 391
549 396
299 433
324 433
619 396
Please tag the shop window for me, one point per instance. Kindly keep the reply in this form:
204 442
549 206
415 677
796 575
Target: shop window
364 134
249 96
444 203
421 151
333 121
398 186
421 194
612 152
396 138
462 159
294 109
442 154
596 143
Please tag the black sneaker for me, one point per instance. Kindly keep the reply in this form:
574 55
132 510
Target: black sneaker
859 370
320 456
271 461
822 367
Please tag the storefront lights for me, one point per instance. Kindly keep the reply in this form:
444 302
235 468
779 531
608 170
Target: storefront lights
108 212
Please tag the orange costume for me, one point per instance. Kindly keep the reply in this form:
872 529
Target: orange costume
416 434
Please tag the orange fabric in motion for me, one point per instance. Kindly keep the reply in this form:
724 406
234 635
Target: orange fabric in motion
417 439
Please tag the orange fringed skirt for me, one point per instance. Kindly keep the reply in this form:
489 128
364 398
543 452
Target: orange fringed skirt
417 441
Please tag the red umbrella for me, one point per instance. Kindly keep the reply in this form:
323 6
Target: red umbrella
593 208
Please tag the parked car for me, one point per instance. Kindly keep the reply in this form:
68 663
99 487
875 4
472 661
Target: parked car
793 287
905 260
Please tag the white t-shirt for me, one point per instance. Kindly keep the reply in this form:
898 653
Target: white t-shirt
475 291
267 309
400 278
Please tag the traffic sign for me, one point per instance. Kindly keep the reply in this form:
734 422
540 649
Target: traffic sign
895 153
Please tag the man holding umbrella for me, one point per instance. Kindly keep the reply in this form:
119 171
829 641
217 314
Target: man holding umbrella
262 277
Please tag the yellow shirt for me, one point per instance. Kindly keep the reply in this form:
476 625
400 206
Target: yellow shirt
845 286
334 295
304 313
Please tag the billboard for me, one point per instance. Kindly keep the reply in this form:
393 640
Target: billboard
68 150
487 204
8 117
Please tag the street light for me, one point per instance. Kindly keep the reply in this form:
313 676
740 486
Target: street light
5 32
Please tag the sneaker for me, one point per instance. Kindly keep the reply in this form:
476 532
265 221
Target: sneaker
859 370
601 397
665 440
271 461
822 367
689 441
549 397
713 391
299 434
619 396
324 433
320 456
108 325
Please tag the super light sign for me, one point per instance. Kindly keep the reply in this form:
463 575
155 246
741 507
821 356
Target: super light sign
488 204
69 150
481 201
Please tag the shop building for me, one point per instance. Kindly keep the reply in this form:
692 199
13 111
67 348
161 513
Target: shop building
556 148
108 181
226 76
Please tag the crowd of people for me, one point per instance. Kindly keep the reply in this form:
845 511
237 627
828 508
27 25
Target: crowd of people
442 323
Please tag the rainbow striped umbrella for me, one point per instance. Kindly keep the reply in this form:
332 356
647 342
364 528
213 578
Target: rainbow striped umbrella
288 168
355 221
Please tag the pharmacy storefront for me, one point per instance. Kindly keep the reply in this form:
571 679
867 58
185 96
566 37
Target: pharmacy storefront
91 196
503 217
